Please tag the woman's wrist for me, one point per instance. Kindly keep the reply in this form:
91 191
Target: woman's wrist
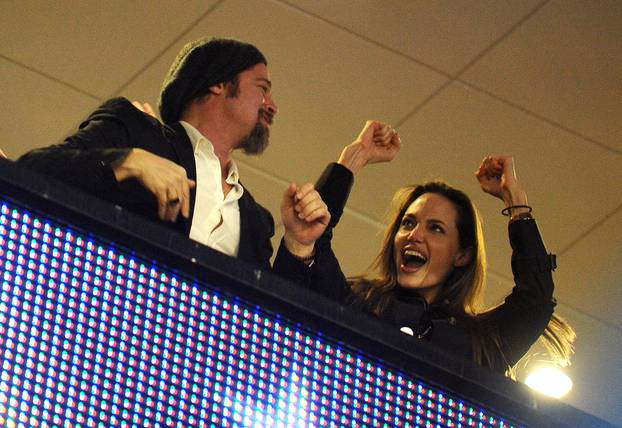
351 157
516 204
515 196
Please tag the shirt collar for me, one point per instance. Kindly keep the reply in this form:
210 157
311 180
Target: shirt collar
196 138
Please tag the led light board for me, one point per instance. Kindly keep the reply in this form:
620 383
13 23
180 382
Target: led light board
93 334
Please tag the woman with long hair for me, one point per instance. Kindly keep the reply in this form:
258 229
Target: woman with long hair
429 275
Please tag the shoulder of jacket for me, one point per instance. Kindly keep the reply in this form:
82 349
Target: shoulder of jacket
121 110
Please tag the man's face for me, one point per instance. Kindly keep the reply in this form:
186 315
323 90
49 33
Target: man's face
252 108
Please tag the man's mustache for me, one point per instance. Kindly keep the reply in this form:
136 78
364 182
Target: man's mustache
267 115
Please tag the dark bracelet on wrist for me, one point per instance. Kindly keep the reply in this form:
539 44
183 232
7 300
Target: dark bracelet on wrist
507 210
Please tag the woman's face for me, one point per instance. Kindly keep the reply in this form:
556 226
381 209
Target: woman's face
427 245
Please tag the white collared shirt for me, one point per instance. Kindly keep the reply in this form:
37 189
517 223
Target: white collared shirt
216 217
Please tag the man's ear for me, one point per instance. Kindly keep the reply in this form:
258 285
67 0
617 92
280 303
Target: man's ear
217 89
463 257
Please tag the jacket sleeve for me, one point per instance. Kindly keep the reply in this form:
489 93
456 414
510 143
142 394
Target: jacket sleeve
324 275
526 312
85 158
334 187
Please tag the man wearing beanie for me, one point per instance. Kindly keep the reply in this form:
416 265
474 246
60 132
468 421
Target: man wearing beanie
216 98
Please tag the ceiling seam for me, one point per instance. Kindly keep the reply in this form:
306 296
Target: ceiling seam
500 39
592 317
456 76
551 122
542 118
590 230
149 63
582 312
367 39
423 103
52 78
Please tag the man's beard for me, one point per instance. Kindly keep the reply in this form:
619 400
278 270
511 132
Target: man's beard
258 139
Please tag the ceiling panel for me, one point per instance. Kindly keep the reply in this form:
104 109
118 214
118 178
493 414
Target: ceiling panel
595 369
564 64
36 111
591 268
558 170
444 34
356 242
96 46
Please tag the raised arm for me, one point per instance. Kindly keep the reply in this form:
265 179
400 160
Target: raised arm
311 262
496 176
526 312
377 142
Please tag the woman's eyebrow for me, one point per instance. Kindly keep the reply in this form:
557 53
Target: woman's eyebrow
436 220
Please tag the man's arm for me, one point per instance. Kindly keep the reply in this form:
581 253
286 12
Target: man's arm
85 158
305 217
106 151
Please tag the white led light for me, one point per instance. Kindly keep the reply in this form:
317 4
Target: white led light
550 381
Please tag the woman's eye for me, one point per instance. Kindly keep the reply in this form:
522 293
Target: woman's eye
407 224
437 228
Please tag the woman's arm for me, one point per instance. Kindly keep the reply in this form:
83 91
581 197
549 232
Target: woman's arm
377 142
526 312
312 262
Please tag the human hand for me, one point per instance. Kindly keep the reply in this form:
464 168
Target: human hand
377 142
305 217
497 177
165 179
145 108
